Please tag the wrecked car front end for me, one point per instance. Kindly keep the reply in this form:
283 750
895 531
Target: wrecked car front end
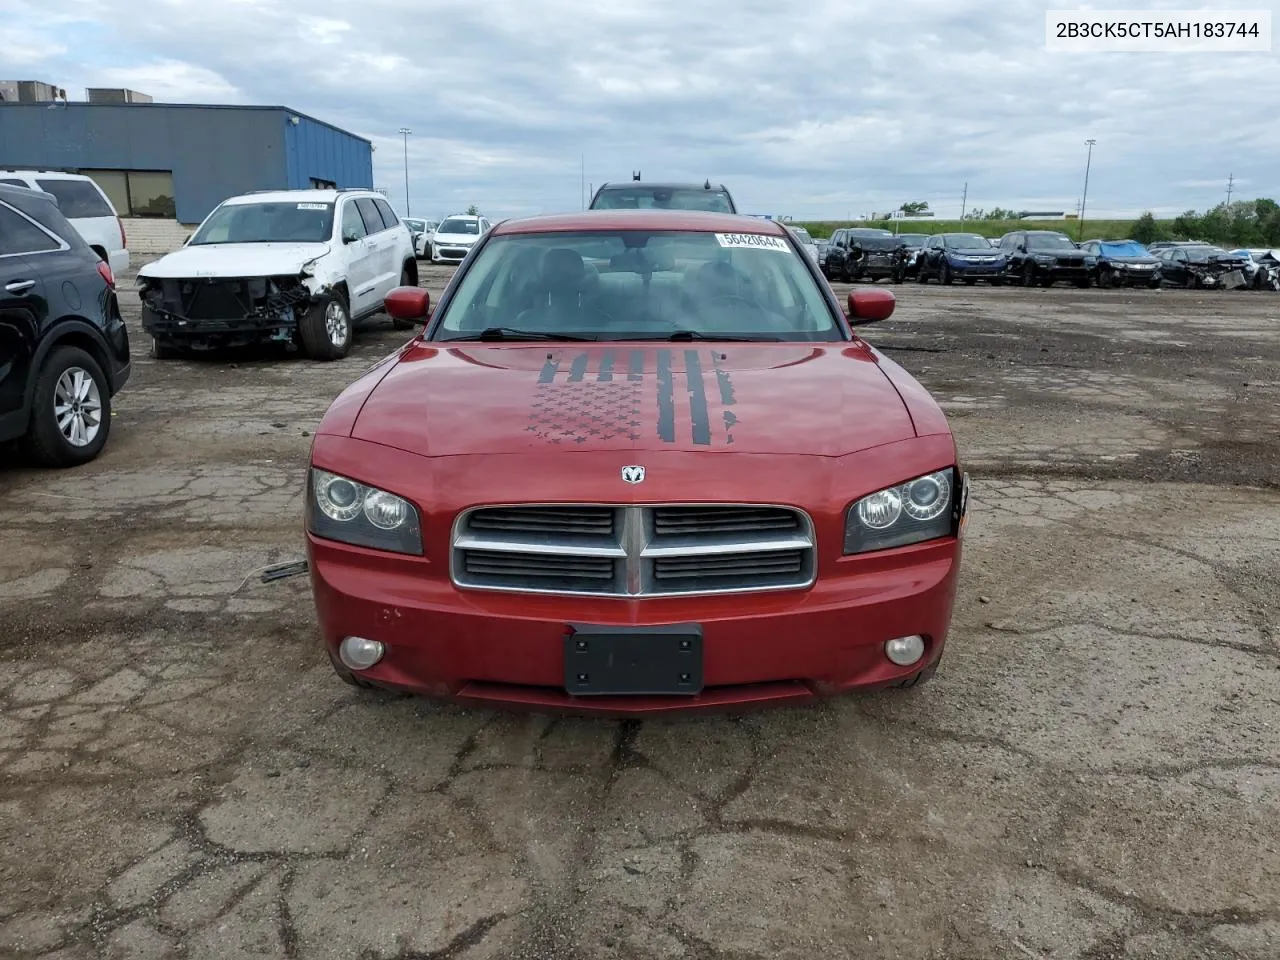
206 313
875 258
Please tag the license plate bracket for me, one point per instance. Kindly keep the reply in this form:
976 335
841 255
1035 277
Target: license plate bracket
608 660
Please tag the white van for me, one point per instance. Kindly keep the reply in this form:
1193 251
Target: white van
84 203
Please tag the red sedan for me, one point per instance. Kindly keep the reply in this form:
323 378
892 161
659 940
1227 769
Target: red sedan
637 461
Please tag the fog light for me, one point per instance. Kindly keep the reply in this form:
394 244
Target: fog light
359 653
905 651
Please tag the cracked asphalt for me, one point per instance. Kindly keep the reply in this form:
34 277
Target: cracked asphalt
1094 773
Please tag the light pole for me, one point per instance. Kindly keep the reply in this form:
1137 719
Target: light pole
1084 197
405 131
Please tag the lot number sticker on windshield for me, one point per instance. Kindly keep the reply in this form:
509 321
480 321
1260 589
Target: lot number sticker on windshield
312 206
752 241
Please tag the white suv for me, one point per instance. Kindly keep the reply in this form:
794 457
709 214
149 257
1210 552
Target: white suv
85 204
298 266
455 236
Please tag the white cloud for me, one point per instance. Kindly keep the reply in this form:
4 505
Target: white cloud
813 109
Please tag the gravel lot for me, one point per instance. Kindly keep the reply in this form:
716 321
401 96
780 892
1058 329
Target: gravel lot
1094 772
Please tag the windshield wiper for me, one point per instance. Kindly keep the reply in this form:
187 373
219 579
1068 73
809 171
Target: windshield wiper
678 335
514 333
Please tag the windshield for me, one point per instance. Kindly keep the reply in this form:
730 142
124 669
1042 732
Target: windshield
869 232
274 222
1129 248
913 240
416 225
801 234
459 226
1201 254
1049 241
966 241
663 198
629 284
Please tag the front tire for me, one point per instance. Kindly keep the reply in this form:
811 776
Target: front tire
326 330
944 273
71 410
1028 274
164 350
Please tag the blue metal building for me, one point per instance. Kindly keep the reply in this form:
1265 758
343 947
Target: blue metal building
181 160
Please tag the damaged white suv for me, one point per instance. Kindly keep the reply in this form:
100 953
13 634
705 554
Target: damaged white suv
298 266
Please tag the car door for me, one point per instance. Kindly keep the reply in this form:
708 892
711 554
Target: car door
361 277
932 252
381 246
399 246
23 312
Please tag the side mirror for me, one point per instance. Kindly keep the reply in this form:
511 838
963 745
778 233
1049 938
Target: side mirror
868 306
409 303
349 238
1022 248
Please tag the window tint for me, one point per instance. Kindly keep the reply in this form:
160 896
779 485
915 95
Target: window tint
20 235
389 218
77 198
15 183
372 218
352 222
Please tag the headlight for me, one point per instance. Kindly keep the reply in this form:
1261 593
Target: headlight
342 509
922 509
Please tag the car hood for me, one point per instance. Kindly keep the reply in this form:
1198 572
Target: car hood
1062 253
826 399
974 252
1111 258
234 260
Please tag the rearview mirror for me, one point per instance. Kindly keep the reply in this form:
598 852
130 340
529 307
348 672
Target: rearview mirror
409 303
868 306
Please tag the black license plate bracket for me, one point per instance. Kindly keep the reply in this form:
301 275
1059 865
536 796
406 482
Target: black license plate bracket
608 660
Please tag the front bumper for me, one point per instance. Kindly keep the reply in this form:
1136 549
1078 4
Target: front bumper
978 270
758 648
449 254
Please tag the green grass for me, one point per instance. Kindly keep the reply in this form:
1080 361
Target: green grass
1093 229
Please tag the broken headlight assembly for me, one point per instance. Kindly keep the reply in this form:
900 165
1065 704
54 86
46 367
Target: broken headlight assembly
342 509
925 508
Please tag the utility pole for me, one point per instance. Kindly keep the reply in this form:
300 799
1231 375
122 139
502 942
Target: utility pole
1231 179
582 181
964 199
405 131
1084 198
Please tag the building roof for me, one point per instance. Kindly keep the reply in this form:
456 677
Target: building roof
81 105
695 221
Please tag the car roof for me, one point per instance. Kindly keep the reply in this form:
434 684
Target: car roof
692 221
316 196
462 216
45 175
661 185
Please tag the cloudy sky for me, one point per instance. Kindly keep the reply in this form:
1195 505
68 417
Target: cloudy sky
820 108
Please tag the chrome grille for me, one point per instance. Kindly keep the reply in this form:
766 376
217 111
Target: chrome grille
660 550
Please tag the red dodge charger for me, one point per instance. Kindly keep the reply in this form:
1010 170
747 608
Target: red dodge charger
636 461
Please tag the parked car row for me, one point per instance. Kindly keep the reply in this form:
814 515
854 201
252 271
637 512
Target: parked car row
447 240
1042 258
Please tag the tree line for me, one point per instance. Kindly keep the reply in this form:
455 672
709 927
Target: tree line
1242 223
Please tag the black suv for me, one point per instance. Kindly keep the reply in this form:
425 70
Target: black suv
1043 256
858 252
64 350
638 195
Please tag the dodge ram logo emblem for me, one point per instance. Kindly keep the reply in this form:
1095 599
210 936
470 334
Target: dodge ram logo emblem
633 474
